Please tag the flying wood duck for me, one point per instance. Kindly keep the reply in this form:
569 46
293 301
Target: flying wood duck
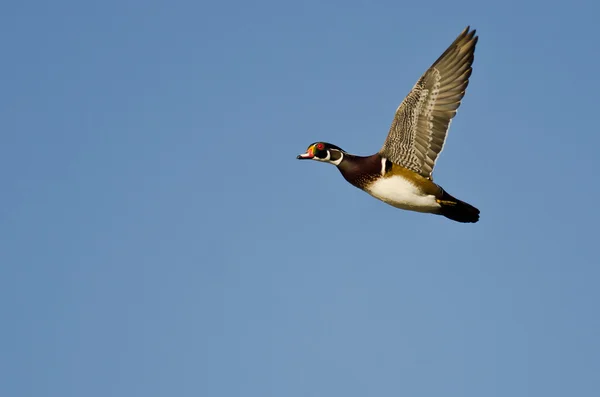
400 173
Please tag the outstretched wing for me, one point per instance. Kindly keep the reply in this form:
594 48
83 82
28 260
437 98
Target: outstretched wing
419 129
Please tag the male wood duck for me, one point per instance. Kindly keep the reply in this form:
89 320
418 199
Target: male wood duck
400 173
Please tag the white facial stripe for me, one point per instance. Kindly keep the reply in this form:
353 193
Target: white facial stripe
326 159
338 161
328 156
383 161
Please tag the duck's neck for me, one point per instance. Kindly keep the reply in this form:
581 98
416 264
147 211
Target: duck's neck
359 170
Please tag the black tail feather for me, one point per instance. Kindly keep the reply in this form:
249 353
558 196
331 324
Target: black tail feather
457 210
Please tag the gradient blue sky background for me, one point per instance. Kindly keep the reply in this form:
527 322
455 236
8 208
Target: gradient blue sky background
158 236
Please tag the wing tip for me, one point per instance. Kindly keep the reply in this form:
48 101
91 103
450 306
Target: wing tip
468 31
467 36
465 42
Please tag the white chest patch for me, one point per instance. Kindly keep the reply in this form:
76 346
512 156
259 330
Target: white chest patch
401 193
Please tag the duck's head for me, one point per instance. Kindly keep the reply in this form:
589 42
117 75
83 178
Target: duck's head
323 151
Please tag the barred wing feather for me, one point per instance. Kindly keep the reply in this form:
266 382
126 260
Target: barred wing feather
419 129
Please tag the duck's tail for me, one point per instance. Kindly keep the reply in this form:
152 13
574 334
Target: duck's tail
457 210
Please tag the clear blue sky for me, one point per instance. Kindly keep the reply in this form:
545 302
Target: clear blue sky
158 236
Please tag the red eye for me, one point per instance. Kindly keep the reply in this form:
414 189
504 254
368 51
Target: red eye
320 146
